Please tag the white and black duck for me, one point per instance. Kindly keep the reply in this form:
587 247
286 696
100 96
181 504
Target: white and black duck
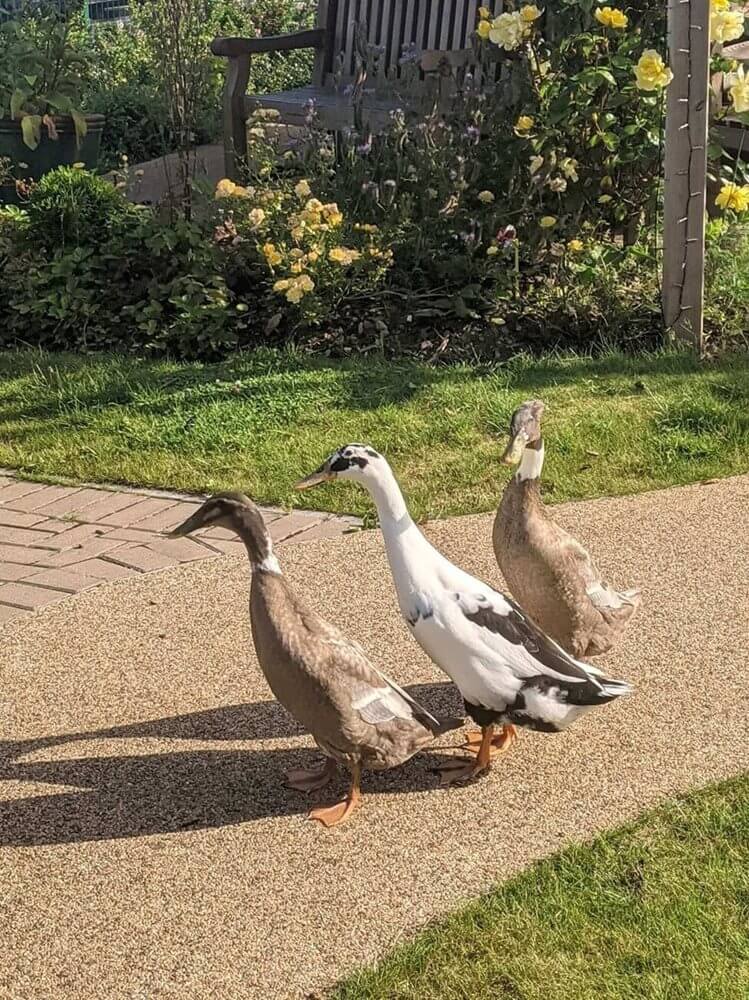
507 670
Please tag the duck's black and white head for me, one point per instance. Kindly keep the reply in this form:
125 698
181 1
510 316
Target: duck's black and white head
525 431
353 461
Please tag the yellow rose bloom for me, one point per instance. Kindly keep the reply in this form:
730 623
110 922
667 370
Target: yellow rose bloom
225 188
483 29
733 197
612 17
569 167
719 5
342 255
547 221
332 213
530 13
507 31
739 90
302 189
313 256
272 256
484 13
492 251
485 197
524 124
575 245
651 71
256 217
281 285
726 25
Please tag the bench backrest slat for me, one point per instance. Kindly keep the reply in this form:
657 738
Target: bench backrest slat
394 24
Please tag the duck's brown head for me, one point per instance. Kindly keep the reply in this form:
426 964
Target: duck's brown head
352 461
525 429
239 514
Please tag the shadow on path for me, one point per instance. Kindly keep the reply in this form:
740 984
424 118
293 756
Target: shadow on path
142 794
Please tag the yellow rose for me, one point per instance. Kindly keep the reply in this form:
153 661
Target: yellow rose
575 245
726 25
306 283
569 167
484 13
302 189
483 29
332 214
651 71
547 221
272 256
256 217
485 197
342 255
507 31
612 17
524 124
225 188
530 13
282 285
492 251
733 197
719 5
739 90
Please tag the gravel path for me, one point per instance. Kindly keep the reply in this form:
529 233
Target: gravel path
147 848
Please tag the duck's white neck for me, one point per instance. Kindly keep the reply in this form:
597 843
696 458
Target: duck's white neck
531 464
391 506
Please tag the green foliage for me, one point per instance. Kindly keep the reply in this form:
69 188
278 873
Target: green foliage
126 74
42 70
73 208
85 269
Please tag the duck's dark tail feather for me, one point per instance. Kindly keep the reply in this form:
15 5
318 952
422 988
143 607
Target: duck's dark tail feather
447 726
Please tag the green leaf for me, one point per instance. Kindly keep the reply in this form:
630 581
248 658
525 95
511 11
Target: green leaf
17 101
61 103
31 128
80 125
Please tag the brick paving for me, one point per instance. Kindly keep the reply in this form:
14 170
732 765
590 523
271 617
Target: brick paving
59 540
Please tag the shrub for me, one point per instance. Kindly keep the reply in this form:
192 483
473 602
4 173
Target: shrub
86 270
71 207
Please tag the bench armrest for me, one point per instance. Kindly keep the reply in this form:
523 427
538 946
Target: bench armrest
314 38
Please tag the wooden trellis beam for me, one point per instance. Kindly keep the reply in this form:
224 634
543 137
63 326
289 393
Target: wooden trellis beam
685 189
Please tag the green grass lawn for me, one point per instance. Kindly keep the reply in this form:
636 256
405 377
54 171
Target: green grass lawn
614 424
656 911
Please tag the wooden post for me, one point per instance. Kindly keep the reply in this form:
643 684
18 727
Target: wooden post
235 115
686 170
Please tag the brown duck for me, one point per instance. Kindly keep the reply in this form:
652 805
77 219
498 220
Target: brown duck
357 716
550 574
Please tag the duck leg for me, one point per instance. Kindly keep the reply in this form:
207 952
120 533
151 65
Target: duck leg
459 769
305 779
501 742
333 815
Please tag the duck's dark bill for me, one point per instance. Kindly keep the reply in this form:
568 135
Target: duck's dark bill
320 475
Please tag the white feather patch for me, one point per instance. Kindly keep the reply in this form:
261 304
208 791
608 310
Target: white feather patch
269 565
531 463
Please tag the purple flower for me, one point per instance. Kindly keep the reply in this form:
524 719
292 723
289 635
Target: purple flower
365 148
473 134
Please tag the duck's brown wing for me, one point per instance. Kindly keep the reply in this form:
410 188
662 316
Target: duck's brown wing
601 595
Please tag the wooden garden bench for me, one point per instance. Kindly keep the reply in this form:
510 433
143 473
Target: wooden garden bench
349 34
